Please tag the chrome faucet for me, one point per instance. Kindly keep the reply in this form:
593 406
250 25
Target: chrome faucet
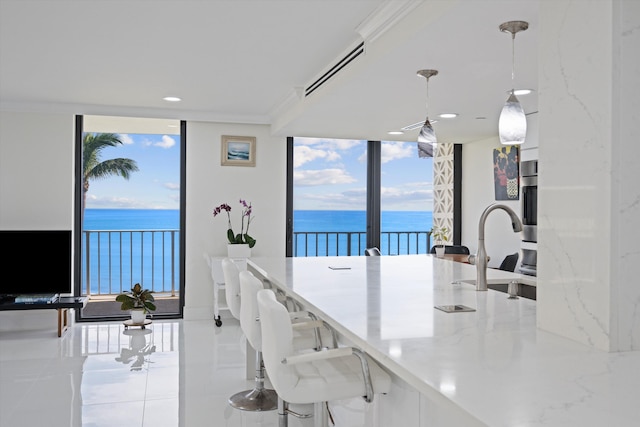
480 258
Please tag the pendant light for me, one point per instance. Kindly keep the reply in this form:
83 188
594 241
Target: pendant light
512 125
427 136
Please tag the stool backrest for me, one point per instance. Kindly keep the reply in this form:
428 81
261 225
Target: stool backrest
510 261
277 341
249 315
452 249
232 286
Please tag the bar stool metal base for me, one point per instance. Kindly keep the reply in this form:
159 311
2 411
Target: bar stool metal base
255 400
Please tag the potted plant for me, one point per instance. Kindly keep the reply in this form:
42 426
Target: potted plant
239 244
138 301
440 235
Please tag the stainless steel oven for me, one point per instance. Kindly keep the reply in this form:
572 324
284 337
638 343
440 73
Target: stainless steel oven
529 200
529 180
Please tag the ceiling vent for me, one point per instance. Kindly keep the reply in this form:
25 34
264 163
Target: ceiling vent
357 51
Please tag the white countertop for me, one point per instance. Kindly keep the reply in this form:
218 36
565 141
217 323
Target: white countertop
492 363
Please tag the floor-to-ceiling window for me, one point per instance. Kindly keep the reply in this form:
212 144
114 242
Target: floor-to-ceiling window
330 195
129 212
347 195
406 199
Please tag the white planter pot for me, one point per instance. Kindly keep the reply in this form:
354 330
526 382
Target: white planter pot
238 251
439 251
138 316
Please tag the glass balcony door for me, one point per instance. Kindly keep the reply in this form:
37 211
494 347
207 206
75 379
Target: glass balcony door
130 213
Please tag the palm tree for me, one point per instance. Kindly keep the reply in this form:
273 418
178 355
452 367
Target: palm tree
93 168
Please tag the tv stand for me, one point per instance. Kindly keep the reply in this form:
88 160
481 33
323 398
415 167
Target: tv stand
62 304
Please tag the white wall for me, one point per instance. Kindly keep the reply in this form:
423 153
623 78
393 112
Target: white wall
36 171
209 184
36 189
478 193
588 186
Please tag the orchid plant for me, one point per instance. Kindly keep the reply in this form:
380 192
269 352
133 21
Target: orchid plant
245 221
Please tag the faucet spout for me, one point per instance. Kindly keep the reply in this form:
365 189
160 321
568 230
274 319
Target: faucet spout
480 258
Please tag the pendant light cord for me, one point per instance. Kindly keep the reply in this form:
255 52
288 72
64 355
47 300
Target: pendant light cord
427 103
513 60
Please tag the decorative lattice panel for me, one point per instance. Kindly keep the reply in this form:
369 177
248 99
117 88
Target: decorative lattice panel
443 187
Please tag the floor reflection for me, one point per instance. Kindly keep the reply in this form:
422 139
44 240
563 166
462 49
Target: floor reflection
172 373
139 348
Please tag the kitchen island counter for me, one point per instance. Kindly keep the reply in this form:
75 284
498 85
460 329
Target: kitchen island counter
493 364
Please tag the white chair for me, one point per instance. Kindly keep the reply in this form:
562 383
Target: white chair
258 398
312 377
307 336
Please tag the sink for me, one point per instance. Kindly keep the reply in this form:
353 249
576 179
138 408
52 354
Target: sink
524 290
457 308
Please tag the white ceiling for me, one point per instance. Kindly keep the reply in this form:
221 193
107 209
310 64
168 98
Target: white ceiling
248 61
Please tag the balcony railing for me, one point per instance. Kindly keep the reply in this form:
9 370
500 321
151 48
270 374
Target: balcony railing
114 260
353 243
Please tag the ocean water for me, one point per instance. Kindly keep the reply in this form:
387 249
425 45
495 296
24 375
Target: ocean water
303 220
117 260
131 219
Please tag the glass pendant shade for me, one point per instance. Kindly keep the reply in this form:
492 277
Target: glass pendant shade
427 134
426 140
512 125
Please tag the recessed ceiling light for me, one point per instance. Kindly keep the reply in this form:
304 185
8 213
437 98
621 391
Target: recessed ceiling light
395 132
448 115
522 91
172 99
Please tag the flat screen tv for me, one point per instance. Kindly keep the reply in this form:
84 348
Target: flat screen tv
35 262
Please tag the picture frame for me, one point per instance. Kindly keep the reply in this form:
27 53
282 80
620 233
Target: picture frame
238 150
506 172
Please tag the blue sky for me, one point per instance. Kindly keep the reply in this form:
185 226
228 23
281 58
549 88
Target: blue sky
332 174
156 185
329 174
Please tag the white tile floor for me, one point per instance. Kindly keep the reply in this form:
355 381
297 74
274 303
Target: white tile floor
173 373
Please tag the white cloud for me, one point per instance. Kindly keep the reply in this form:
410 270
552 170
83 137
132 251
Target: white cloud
347 200
343 144
114 202
329 144
304 178
172 185
397 150
126 139
167 142
309 149
305 154
405 197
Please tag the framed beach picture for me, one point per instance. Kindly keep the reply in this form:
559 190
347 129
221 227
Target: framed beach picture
238 150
